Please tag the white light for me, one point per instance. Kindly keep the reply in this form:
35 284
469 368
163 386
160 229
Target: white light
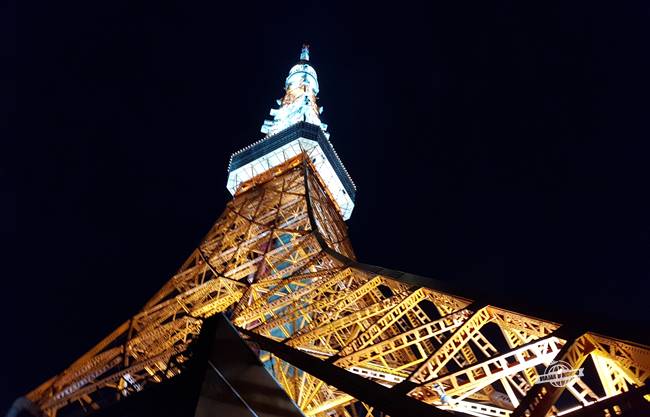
297 105
286 152
299 102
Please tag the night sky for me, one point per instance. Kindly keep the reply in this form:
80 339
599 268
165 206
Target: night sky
502 147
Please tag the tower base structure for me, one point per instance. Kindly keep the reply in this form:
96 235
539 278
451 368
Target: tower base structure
223 378
340 337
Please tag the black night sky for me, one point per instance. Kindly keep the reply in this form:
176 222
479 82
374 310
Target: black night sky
500 146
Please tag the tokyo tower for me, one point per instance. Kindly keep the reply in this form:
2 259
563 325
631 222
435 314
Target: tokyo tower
272 315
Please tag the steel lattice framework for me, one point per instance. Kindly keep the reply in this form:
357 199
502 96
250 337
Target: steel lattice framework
279 263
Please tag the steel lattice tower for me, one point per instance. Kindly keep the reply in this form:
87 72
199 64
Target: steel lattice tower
341 337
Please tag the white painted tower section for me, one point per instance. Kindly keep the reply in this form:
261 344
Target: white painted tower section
299 101
297 105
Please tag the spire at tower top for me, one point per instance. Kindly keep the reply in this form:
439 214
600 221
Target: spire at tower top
299 101
304 54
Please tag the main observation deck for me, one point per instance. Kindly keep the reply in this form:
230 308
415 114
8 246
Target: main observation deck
276 149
